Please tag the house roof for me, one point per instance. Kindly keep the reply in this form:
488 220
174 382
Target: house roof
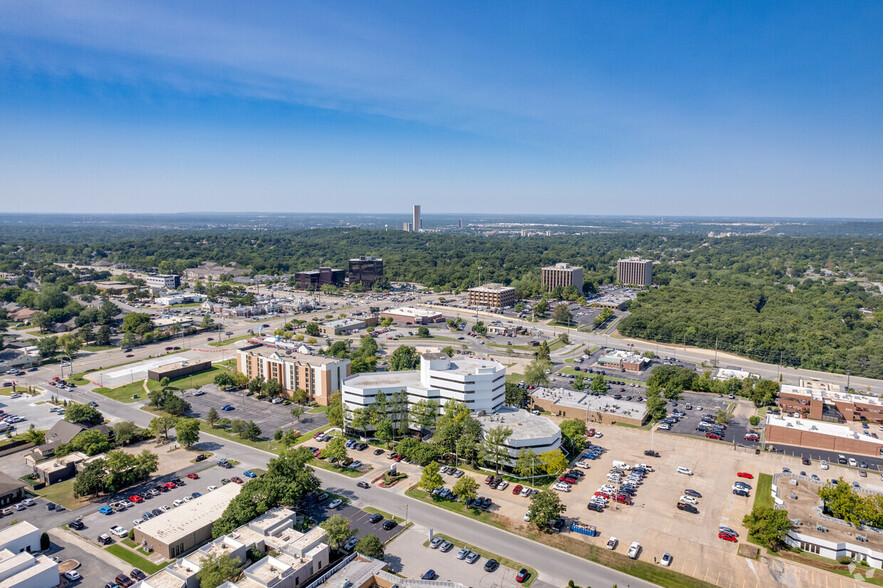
9 484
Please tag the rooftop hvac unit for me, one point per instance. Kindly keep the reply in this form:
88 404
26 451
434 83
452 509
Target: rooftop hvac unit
822 528
862 538
793 496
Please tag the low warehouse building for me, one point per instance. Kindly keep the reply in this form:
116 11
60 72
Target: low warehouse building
20 537
178 369
189 526
583 405
784 430
409 315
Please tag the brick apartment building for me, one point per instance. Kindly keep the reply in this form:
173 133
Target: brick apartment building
319 376
492 296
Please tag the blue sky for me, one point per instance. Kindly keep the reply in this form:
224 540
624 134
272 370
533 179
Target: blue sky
714 108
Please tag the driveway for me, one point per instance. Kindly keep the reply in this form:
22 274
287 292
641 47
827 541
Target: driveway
269 417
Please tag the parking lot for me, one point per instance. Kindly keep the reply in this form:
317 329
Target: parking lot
407 556
209 475
34 409
358 519
269 417
737 426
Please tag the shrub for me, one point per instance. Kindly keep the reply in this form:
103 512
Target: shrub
754 420
44 542
844 559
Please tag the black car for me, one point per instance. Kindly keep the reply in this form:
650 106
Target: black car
556 525
651 453
378 452
156 512
389 524
841 460
375 518
692 493
595 506
201 457
688 507
50 506
363 485
137 574
740 492
806 461
76 524
491 565
575 473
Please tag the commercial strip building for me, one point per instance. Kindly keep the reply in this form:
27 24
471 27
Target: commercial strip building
182 322
366 270
210 269
492 296
623 360
801 432
182 298
319 376
324 276
817 533
535 433
725 374
562 274
293 558
614 299
189 527
342 326
634 271
817 403
11 489
178 369
361 571
409 315
572 404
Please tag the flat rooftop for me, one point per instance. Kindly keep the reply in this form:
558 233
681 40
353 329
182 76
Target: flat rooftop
410 378
467 366
492 288
191 516
523 424
823 395
15 532
586 401
820 427
346 322
806 508
293 357
411 311
163 579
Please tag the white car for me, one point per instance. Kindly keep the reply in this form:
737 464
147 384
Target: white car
210 488
688 499
634 550
561 487
503 485
666 560
664 426
612 543
823 464
188 498
137 522
852 462
525 491
29 502
607 488
582 464
178 503
685 471
335 503
73 575
165 508
527 517
118 531
598 435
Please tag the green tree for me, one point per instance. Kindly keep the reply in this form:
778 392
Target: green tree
187 431
90 479
527 463
296 412
543 352
515 395
207 322
338 529
126 432
371 546
255 384
47 346
215 569
479 328
599 384
535 372
137 321
767 525
83 414
335 449
159 426
212 417
335 411
34 436
425 413
271 388
224 379
466 488
300 396
541 308
449 351
431 479
553 462
102 336
579 382
312 329
655 405
384 430
251 432
574 433
404 358
545 508
494 448
423 332
561 315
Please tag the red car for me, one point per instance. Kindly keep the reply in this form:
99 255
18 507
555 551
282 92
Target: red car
713 436
602 494
130 355
727 537
517 489
398 458
170 485
237 479
193 476
521 576
623 498
489 479
752 437
319 433
136 498
745 475
590 433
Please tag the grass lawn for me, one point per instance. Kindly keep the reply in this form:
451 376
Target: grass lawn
263 445
646 427
229 341
513 347
318 409
99 347
763 496
514 378
63 493
557 345
143 564
457 507
309 435
186 305
504 561
124 393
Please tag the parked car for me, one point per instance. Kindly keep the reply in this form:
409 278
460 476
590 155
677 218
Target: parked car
612 543
634 550
685 471
429 575
666 560
522 575
745 475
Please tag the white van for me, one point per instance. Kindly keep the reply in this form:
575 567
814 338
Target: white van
621 465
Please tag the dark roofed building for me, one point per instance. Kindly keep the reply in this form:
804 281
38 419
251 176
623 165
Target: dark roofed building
11 490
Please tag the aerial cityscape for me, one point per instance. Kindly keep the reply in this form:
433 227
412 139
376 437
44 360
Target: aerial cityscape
431 295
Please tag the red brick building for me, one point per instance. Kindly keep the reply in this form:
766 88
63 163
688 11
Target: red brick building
819 435
319 376
830 406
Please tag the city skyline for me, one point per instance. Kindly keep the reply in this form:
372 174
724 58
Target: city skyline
703 111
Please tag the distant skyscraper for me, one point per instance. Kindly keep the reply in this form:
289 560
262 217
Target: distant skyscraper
460 224
417 223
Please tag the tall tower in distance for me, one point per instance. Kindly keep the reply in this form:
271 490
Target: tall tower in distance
417 222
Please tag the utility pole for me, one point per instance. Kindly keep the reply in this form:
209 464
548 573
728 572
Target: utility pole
715 352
